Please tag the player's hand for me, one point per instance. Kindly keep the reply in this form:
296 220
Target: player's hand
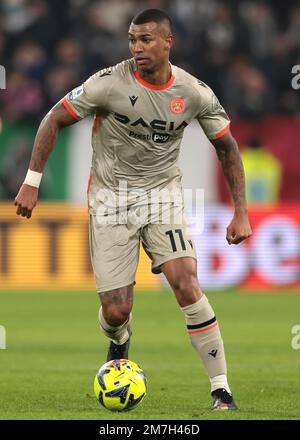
239 229
26 200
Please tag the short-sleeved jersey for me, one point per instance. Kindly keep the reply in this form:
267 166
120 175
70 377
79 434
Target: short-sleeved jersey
138 127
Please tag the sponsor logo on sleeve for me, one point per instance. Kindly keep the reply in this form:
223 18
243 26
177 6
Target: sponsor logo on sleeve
216 106
75 93
105 72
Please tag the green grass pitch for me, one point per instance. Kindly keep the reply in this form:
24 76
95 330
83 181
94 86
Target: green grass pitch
54 348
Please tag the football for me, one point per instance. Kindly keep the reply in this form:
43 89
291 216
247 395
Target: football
120 385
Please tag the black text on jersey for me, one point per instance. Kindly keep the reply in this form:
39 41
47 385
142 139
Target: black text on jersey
156 124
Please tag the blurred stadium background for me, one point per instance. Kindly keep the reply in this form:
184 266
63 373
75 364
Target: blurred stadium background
245 50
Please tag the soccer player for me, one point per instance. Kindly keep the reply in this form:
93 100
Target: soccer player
141 107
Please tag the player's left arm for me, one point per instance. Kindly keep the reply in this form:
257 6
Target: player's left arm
229 156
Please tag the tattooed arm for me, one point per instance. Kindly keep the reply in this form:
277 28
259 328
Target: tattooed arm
228 153
57 118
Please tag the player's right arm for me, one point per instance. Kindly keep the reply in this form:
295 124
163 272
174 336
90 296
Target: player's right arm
57 118
82 101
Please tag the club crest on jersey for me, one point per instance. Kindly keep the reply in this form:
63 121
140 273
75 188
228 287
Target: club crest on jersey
75 93
177 105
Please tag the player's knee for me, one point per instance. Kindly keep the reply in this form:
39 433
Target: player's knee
117 315
186 282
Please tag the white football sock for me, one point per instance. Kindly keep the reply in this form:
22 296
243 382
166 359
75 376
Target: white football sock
205 336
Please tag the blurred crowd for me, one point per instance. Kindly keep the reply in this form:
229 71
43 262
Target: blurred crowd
244 49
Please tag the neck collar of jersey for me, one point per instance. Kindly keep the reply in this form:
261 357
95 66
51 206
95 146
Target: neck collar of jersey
153 86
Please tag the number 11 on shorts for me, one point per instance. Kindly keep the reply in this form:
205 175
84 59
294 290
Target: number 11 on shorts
172 239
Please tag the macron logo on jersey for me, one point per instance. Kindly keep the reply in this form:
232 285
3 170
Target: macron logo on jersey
75 93
133 100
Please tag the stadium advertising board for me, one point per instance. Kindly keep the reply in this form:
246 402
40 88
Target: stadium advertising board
51 251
